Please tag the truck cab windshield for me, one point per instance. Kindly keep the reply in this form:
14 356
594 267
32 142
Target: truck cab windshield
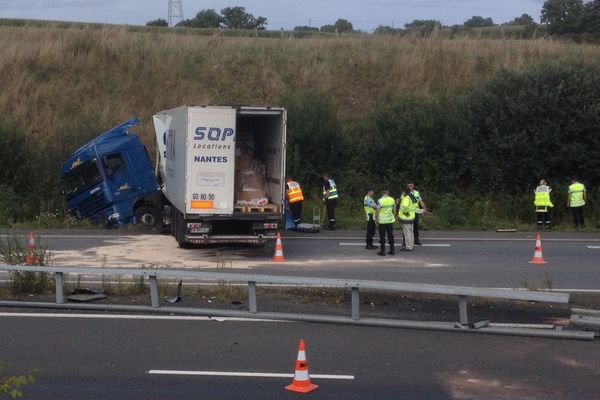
80 179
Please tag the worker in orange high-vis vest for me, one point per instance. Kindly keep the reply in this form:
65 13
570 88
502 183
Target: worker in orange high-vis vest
295 198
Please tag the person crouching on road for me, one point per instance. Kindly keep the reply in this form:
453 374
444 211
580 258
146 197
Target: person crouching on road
369 206
385 218
542 204
295 198
406 214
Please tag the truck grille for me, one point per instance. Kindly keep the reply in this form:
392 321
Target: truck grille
91 206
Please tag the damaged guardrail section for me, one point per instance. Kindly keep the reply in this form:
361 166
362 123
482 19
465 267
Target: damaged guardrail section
462 294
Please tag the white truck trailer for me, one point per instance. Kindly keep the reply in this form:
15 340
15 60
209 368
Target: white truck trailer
222 172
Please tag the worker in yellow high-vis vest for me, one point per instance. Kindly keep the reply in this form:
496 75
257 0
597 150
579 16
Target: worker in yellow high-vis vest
576 201
543 204
385 211
406 214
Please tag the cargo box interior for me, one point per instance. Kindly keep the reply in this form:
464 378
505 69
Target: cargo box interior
260 155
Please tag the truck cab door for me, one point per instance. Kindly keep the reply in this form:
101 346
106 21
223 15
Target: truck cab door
115 169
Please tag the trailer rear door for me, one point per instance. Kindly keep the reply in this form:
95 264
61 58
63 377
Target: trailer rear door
210 160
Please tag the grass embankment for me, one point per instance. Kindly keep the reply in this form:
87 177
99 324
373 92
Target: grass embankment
62 85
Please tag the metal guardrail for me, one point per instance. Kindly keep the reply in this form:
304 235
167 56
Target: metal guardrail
461 292
586 319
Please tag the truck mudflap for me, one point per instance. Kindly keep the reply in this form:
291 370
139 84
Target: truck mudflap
215 239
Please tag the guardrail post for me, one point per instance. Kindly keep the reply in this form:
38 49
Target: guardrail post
462 310
59 288
153 290
355 304
252 306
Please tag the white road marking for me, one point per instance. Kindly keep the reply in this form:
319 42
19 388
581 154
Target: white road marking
593 247
425 245
244 374
134 317
447 239
450 239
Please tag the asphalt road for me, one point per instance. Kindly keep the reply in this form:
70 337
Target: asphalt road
487 259
111 358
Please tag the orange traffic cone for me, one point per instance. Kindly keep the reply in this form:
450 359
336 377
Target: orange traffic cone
301 382
31 258
538 258
278 257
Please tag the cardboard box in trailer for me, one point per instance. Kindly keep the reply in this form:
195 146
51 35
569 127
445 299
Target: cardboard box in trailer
221 170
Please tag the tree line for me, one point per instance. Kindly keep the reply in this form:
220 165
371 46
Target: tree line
229 18
559 17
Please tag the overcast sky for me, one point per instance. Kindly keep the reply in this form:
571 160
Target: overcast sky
364 14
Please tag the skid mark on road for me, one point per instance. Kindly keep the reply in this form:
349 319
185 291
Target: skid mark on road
465 384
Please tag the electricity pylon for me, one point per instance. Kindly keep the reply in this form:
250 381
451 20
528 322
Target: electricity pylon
175 12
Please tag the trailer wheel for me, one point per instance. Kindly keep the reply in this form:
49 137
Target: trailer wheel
147 216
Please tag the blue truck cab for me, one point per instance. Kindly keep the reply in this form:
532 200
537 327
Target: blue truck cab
111 181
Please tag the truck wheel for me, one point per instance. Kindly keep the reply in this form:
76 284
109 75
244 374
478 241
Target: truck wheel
147 216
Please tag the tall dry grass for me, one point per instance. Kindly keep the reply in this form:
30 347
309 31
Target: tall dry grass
50 76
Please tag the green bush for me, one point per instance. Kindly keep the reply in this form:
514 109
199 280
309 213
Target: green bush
9 205
14 251
315 141
416 139
542 122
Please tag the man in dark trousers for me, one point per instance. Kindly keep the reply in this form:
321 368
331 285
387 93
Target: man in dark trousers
370 208
386 218
295 197
330 196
